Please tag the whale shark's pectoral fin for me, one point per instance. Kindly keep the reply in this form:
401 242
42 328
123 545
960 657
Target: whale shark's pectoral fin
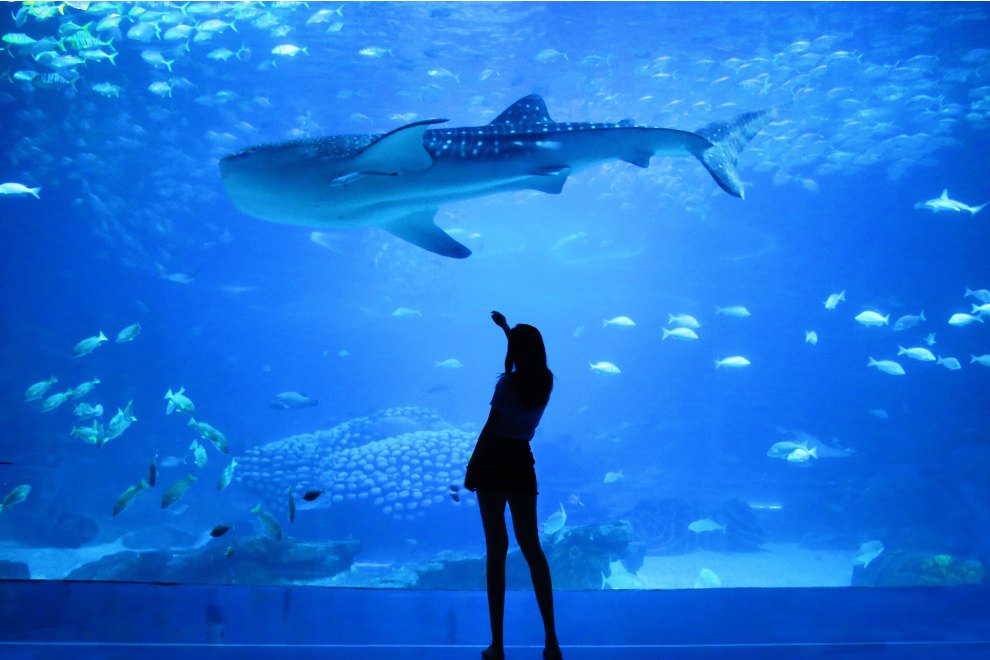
419 229
549 179
400 150
345 180
639 158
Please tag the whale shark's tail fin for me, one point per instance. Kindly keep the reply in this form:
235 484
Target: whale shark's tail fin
727 141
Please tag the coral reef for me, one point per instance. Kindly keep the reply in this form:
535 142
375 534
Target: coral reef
243 560
401 460
577 555
900 568
661 525
14 570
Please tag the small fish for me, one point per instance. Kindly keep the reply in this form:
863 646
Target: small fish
983 295
214 25
127 497
18 39
555 522
268 522
153 471
229 552
802 454
612 477
950 363
289 50
619 322
293 401
55 400
930 339
406 312
981 309
960 320
908 321
91 434
15 496
199 454
83 389
604 368
980 359
172 461
311 495
107 89
737 311
156 59
619 577
683 320
121 421
811 337
177 490
87 411
683 333
705 525
451 363
887 366
921 354
220 530
736 361
129 333
19 190
868 552
374 51
834 299
549 55
880 413
872 319
39 389
88 345
227 475
162 89
178 401
292 505
208 432
707 579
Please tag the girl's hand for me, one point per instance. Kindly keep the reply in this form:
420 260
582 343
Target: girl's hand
499 320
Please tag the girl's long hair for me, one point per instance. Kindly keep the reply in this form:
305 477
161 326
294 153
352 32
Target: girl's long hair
526 366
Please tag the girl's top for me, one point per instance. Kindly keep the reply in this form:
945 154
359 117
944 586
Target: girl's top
514 421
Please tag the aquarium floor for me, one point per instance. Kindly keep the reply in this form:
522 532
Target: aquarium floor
82 620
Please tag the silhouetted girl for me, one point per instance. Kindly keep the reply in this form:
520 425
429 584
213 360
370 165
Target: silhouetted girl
502 470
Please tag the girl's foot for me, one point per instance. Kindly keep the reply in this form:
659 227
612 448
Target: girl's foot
493 653
552 653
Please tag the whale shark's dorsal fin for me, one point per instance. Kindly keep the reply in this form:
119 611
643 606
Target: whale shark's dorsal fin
945 194
527 111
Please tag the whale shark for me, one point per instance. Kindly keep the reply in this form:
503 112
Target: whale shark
398 180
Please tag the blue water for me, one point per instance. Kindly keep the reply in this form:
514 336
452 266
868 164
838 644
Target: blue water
882 107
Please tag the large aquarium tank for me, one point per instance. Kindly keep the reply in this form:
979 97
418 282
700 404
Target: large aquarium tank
251 250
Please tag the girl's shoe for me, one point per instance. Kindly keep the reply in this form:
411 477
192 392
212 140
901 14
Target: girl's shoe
492 653
552 653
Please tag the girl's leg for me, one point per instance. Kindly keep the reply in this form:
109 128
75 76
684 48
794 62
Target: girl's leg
492 506
523 507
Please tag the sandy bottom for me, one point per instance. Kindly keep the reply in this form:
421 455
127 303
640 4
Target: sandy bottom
778 565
